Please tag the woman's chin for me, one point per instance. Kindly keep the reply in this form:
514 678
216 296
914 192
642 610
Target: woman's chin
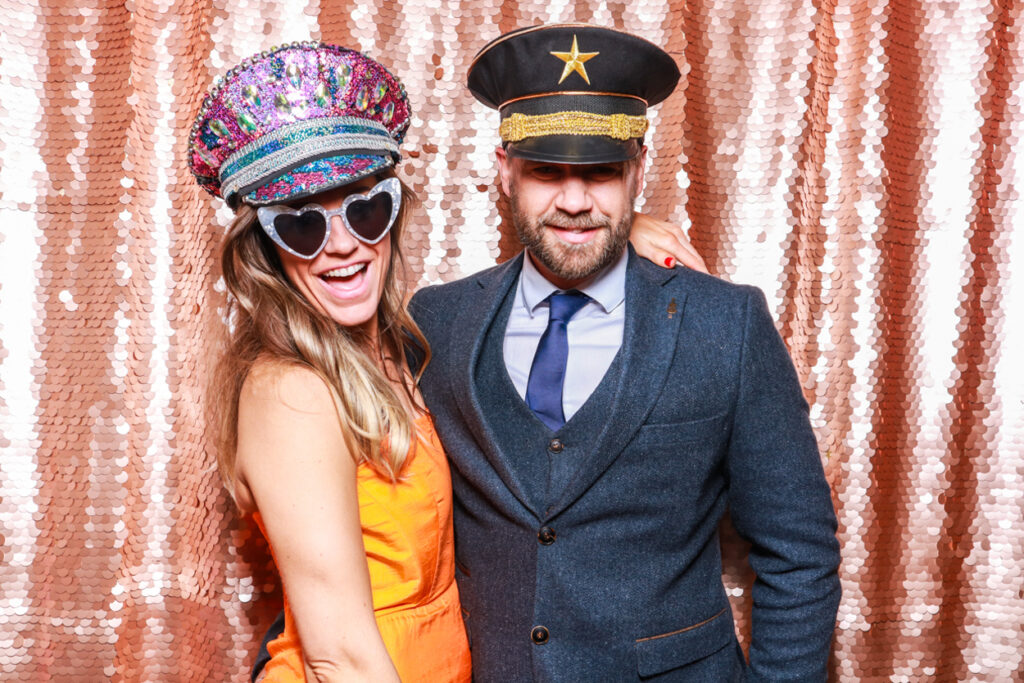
359 315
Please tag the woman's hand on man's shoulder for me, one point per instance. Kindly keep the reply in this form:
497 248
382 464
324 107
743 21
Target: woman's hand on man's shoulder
664 243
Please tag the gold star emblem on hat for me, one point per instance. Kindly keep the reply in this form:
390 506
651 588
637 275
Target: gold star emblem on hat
574 61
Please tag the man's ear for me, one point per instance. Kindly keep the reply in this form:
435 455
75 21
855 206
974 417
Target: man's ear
504 169
641 164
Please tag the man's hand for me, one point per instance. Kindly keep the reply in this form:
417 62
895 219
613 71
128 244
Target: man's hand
664 243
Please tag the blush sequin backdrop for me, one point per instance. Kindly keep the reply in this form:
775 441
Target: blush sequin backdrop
856 159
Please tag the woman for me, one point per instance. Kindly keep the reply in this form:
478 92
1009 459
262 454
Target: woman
322 434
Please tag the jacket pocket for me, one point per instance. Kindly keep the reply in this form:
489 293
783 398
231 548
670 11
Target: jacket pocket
656 654
709 429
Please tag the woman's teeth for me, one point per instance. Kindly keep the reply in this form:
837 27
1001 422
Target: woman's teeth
347 271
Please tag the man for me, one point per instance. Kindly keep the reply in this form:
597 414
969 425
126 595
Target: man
600 413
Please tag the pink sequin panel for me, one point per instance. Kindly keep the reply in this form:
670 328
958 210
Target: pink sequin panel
857 160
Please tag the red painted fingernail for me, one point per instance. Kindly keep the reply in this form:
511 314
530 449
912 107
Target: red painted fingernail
669 261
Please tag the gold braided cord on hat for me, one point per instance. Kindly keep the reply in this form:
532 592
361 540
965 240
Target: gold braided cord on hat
619 126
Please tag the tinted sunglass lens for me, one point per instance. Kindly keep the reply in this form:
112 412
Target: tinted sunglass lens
304 234
370 217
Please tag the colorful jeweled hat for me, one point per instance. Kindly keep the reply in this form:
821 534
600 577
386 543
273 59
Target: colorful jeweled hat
297 120
572 93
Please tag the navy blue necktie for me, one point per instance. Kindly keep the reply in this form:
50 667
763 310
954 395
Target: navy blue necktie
547 374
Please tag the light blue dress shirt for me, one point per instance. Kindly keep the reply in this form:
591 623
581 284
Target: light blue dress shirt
594 333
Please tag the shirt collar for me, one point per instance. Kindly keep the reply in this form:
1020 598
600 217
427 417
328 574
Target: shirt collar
607 288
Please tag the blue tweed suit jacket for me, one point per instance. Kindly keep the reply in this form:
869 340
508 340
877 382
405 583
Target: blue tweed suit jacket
604 534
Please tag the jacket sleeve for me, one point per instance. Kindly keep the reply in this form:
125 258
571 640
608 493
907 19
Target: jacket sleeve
780 502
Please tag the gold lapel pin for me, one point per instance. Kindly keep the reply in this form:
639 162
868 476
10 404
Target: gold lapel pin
672 308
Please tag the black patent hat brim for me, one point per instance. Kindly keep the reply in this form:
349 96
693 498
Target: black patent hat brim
574 149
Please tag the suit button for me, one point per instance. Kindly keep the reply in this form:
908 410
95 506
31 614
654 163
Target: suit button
539 635
556 445
546 535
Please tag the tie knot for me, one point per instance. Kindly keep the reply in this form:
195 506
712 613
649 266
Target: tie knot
564 305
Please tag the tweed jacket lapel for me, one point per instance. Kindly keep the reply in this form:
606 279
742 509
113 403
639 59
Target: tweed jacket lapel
471 326
649 342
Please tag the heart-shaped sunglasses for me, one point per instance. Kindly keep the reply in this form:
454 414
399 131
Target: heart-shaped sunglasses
304 231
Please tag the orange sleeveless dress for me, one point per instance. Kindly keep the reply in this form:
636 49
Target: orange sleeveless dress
407 533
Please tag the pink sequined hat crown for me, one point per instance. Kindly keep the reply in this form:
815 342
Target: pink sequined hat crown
297 120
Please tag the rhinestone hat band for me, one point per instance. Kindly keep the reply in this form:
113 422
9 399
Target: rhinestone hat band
293 133
295 145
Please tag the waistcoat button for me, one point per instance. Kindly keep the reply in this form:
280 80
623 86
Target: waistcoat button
539 635
556 445
546 535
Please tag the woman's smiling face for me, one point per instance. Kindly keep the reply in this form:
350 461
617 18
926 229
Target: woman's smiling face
345 281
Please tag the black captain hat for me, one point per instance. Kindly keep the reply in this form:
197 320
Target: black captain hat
572 93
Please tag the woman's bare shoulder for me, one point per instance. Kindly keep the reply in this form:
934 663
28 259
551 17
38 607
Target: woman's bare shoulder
288 429
285 385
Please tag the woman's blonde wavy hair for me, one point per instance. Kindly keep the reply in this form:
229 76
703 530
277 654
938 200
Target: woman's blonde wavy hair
268 319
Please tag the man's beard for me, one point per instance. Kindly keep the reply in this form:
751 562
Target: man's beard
574 262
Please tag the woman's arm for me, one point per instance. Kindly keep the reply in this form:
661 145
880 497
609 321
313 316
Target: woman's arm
293 461
664 243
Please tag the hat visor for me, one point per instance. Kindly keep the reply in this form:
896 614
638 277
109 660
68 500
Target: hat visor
575 149
318 176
